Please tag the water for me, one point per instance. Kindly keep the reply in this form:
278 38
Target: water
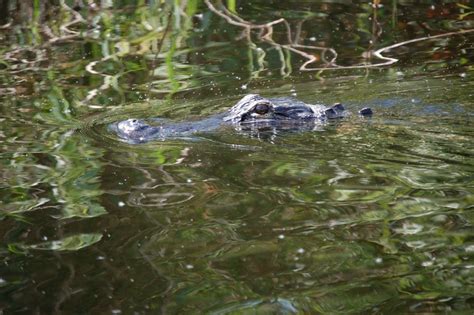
358 216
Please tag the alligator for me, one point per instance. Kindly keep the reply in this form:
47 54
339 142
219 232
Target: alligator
253 112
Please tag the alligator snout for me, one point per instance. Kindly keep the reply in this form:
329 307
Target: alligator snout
136 130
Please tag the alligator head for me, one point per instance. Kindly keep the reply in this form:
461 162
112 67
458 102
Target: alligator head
254 108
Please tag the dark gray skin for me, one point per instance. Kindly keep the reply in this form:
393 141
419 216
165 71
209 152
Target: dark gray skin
252 112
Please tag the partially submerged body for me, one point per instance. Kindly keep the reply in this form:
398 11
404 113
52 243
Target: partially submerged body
252 112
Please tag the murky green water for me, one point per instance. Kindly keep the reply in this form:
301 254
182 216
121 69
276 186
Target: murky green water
358 216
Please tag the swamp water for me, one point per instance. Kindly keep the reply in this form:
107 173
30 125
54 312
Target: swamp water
358 216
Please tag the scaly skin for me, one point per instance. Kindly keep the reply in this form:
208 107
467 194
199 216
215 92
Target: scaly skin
252 112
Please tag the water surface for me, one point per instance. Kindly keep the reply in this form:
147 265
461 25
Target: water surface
357 216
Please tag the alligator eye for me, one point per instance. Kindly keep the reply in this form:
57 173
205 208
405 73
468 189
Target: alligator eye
261 108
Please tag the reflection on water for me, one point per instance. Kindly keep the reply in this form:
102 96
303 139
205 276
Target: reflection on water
358 216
